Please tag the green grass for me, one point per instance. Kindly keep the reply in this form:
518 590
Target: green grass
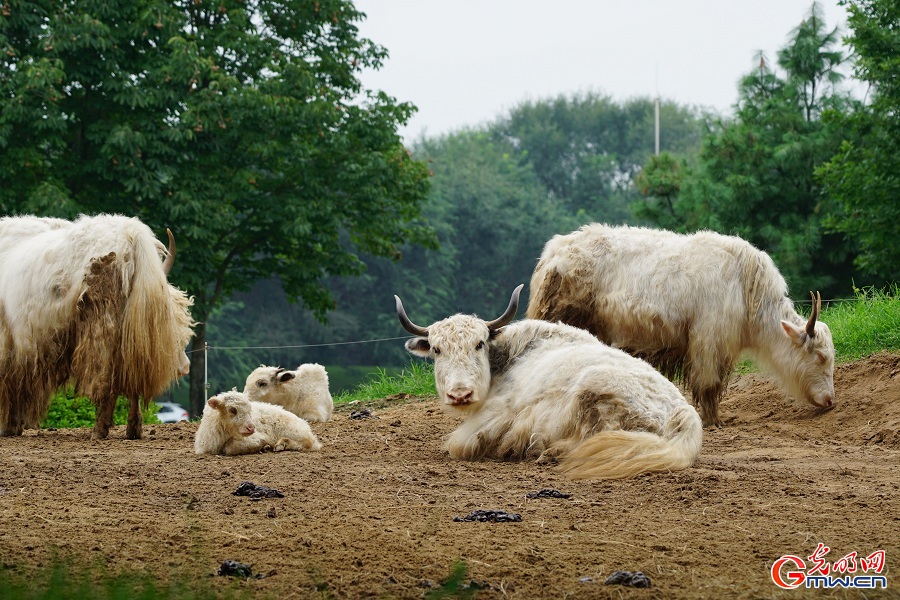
865 325
68 410
417 379
63 581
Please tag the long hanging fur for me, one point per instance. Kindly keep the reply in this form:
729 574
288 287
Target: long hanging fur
619 454
92 306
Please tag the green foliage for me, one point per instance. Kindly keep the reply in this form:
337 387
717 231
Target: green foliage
866 325
754 176
454 586
585 150
417 379
62 581
243 126
68 410
862 176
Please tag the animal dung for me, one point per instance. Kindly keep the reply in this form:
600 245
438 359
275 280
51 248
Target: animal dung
547 493
491 516
233 568
256 492
636 579
363 413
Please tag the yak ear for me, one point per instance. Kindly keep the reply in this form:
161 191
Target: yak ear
286 376
214 402
419 346
796 334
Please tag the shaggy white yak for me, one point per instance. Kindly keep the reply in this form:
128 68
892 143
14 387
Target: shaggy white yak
688 304
553 392
87 302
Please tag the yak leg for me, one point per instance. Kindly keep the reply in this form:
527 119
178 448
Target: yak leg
134 429
707 401
15 421
13 426
105 410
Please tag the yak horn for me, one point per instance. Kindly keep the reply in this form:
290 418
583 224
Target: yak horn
510 313
407 324
816 307
170 257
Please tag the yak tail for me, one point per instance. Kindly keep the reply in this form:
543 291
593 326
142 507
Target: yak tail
156 322
619 454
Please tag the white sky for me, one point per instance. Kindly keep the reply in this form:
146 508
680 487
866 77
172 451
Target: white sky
467 62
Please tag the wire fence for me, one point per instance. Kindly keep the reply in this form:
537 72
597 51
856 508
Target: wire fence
208 347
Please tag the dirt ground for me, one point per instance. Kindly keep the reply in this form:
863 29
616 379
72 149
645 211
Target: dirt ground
372 514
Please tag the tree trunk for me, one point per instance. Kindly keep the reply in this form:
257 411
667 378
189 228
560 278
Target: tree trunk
198 391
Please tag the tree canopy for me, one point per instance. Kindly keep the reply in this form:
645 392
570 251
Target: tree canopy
242 125
754 176
863 176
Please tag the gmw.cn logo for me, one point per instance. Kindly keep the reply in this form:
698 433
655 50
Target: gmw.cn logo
791 572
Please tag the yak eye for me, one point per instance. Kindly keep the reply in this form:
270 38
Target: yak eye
436 350
232 410
479 346
261 383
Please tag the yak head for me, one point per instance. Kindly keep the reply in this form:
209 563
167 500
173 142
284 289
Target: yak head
459 347
233 410
811 360
264 384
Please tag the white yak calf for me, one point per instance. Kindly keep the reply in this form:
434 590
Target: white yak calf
232 425
551 391
303 392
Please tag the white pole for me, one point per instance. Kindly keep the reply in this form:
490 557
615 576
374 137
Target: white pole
657 126
205 366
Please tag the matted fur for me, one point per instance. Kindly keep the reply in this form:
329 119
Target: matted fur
232 425
303 391
87 302
689 304
549 391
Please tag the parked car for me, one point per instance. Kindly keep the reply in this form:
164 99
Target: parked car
169 412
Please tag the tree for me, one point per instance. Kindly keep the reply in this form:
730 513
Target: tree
863 176
242 125
587 149
754 176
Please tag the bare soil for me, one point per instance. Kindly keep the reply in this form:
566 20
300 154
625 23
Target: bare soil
372 514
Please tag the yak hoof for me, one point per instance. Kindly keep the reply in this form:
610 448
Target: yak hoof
99 434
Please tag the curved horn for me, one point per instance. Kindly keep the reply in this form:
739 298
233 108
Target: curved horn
170 257
816 307
510 313
407 324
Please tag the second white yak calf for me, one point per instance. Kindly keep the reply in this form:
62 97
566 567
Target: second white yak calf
303 391
543 390
232 425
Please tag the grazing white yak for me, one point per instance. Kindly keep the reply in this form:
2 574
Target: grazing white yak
87 302
688 304
303 391
231 425
542 390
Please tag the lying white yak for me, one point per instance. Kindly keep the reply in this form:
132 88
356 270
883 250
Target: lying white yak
231 425
303 392
550 391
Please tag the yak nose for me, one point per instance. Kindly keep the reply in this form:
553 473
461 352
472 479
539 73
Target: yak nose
248 429
460 396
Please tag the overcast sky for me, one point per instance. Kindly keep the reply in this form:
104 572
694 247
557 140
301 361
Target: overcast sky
467 62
